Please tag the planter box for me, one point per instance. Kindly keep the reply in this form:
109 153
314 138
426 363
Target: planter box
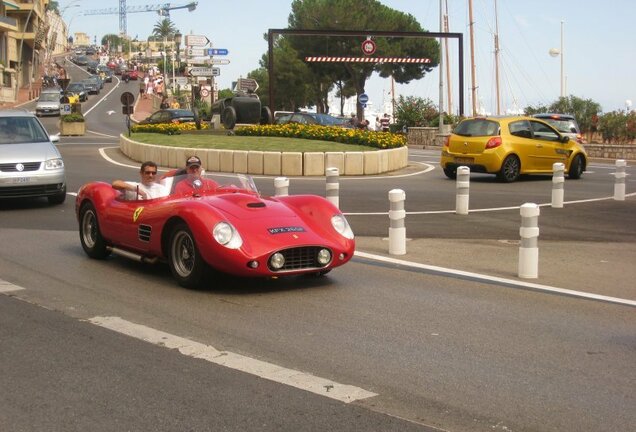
72 128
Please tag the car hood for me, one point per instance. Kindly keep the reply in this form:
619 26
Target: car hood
251 207
34 152
47 105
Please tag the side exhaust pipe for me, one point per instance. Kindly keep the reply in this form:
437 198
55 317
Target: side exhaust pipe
133 256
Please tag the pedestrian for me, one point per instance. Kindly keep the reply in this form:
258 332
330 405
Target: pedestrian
384 121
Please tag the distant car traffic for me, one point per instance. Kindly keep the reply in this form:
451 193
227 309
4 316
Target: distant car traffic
564 123
312 119
30 165
169 115
509 147
91 85
79 89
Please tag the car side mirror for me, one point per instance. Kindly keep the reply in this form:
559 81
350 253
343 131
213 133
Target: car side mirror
565 139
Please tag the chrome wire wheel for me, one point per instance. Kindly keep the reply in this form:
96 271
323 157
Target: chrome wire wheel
90 235
183 254
89 228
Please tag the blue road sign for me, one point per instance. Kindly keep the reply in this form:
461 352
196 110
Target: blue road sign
363 98
217 51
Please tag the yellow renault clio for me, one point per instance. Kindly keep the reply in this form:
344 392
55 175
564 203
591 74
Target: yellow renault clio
509 147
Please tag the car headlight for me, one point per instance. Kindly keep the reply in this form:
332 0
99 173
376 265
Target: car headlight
225 234
340 224
54 164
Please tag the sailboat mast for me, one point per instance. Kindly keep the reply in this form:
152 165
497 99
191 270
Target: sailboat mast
441 70
497 59
449 88
472 58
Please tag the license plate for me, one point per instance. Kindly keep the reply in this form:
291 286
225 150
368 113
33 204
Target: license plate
21 179
464 160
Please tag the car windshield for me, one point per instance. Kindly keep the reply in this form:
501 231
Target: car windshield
75 87
17 130
562 125
190 184
50 97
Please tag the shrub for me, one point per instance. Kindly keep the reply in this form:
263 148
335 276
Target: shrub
73 118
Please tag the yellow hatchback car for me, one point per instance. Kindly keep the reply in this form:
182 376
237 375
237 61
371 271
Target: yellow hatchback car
509 147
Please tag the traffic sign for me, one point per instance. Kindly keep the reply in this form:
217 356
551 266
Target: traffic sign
247 84
203 71
127 98
195 52
218 61
217 51
196 40
368 47
363 98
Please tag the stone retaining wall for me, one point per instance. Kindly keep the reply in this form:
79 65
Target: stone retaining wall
427 136
270 163
611 151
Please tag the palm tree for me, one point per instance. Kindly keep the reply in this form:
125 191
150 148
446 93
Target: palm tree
164 29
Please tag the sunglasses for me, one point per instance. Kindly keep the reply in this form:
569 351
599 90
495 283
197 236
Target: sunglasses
194 167
150 172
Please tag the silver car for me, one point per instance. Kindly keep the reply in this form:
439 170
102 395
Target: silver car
48 103
30 165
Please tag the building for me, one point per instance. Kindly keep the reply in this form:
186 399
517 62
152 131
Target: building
23 30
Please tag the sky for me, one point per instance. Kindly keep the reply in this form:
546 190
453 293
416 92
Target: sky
599 45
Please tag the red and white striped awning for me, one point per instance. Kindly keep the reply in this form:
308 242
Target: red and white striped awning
367 59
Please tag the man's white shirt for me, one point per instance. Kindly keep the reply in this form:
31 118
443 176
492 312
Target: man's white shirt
155 190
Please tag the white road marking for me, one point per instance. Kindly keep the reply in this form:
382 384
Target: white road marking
269 371
486 278
6 287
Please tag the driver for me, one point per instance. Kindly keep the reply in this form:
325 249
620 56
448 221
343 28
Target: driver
148 188
194 170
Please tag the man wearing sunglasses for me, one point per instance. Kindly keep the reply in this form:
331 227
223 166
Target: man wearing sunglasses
148 188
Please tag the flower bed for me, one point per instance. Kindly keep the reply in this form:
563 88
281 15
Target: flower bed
167 128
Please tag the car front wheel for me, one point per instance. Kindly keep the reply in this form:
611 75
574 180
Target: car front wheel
510 169
90 236
185 261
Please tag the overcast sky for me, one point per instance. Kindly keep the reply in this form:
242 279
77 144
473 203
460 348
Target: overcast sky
599 44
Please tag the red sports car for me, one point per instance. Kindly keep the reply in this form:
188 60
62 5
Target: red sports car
218 222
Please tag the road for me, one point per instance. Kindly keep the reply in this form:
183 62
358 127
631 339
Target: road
410 349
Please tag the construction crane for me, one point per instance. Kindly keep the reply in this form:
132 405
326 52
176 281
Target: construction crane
162 9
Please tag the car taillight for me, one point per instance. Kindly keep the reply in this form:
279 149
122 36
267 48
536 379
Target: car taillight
493 142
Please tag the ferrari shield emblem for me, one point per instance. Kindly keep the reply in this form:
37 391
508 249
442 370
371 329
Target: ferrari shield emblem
137 212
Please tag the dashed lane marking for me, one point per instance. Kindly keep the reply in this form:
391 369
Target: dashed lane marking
301 380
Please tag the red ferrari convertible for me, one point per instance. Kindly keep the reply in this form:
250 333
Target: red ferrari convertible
220 223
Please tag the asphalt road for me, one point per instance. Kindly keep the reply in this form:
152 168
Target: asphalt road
437 351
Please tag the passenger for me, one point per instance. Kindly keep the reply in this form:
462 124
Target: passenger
194 171
148 188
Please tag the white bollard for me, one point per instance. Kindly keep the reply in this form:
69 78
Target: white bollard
332 186
529 247
558 181
397 229
281 186
619 184
463 187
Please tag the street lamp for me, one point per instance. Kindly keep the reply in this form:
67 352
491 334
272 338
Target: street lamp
555 52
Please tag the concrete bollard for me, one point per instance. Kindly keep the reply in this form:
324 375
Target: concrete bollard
463 187
332 186
619 184
281 186
397 229
529 247
558 181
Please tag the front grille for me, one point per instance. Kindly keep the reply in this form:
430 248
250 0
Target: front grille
28 166
30 191
300 258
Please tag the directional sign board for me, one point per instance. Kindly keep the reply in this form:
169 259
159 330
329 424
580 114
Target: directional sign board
195 52
247 84
196 40
217 51
203 71
218 61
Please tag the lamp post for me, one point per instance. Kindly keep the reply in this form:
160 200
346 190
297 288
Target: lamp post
554 52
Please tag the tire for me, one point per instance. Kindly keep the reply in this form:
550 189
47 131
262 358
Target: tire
58 198
229 118
266 116
90 236
451 173
576 168
185 261
510 169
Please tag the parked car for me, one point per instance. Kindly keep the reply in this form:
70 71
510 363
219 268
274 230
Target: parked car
49 102
30 165
565 123
509 147
169 115
221 224
79 89
91 85
243 108
312 118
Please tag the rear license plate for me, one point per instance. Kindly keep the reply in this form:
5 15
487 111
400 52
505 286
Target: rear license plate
21 179
464 160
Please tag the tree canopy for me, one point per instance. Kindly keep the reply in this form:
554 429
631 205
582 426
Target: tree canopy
164 29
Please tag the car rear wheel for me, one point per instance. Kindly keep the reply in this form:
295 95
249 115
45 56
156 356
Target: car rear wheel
576 168
510 169
229 118
90 236
185 261
451 173
266 115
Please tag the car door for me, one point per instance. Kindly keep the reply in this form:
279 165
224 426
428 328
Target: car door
547 146
523 145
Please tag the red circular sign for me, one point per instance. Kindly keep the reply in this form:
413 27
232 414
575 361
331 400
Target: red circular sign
368 47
